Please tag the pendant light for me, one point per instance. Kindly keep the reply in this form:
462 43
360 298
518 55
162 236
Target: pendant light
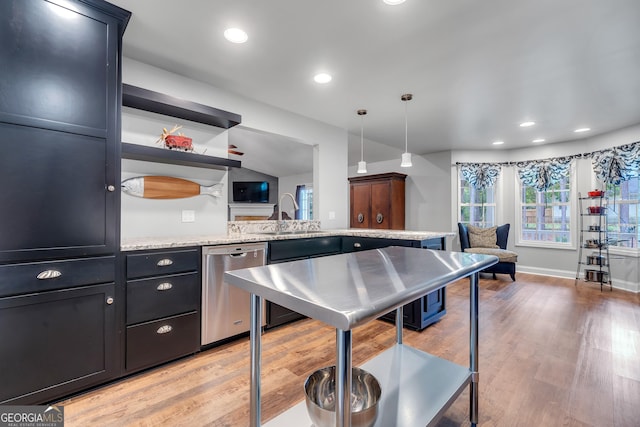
362 165
406 156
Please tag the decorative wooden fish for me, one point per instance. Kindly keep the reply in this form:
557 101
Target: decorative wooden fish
167 187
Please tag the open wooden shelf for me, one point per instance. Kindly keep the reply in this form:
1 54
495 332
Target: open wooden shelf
155 102
172 157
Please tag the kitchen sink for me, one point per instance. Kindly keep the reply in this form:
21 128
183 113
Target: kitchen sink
288 233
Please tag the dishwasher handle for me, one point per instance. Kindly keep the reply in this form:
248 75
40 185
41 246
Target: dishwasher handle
238 255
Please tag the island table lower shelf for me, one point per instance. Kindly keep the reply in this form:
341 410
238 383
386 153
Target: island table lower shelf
417 388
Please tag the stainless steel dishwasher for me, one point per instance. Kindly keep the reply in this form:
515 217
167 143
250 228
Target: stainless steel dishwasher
226 309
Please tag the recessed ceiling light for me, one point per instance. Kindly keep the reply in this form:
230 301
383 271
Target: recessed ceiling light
527 124
235 35
538 140
582 130
322 78
393 2
498 142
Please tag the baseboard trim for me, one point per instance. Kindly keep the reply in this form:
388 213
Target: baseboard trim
565 274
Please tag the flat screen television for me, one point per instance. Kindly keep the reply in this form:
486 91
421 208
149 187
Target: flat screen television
251 191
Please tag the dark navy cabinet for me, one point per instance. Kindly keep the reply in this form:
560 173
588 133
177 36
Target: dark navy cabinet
60 95
56 342
292 250
163 306
422 312
59 128
417 315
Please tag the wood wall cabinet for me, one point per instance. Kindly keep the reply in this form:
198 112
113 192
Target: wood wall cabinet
60 202
377 201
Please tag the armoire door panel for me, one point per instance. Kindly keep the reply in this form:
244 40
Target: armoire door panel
360 202
380 204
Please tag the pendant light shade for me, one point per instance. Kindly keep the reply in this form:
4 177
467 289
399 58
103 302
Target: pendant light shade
406 156
362 165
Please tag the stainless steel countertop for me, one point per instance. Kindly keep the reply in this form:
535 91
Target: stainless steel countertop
348 290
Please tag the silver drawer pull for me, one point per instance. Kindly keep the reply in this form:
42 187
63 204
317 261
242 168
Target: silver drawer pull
164 286
109 300
357 245
164 329
164 262
49 274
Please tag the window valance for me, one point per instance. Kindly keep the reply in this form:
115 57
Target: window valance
480 175
618 164
542 174
611 166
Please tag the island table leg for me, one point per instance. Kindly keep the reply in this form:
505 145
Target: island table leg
343 378
473 346
399 324
255 344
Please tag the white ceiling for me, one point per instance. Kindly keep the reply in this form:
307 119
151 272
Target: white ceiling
476 68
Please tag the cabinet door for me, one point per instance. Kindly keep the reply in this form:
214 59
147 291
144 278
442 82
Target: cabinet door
380 205
55 65
59 115
56 343
361 205
55 198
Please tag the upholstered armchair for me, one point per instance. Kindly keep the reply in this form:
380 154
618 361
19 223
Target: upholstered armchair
490 241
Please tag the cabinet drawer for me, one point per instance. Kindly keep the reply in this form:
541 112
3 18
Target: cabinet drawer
149 299
163 262
162 340
353 244
23 278
286 250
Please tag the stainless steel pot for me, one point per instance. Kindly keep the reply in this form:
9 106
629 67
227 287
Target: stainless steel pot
596 276
596 260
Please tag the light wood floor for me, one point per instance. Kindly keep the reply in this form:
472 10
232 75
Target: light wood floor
551 354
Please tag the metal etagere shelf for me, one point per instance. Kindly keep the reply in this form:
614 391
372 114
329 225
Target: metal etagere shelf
593 254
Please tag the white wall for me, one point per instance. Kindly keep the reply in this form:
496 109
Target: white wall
426 189
142 217
432 199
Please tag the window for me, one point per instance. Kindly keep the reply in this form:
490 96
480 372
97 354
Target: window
546 215
476 207
623 213
304 198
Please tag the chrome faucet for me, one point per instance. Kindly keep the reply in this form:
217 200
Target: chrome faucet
295 206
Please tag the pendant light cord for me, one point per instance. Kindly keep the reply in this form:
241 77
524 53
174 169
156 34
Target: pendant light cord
406 127
362 138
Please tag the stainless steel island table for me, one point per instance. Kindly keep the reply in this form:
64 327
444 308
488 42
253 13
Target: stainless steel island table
349 290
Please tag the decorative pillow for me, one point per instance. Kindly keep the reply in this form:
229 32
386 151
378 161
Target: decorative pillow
482 237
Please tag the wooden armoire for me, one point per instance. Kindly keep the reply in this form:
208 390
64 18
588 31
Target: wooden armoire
377 201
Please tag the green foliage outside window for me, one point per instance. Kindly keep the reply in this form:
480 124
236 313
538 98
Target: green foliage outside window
546 215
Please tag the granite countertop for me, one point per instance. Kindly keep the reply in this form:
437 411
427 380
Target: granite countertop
141 243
